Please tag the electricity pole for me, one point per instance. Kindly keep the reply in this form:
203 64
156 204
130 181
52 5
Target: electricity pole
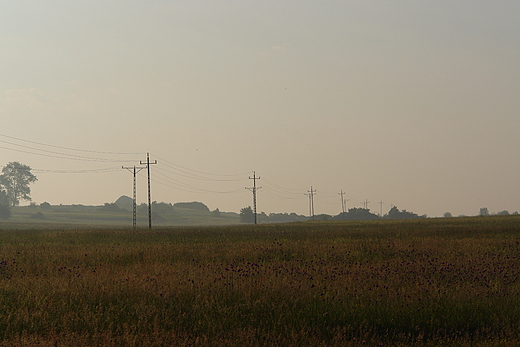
135 171
343 203
365 204
149 191
311 194
381 208
254 189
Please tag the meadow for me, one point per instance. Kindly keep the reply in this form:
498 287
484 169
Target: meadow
452 282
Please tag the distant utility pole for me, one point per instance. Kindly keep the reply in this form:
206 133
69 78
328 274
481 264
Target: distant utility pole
365 204
381 208
254 189
344 208
311 194
342 201
135 171
149 189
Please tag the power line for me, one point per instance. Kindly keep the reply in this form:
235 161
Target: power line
273 194
187 187
201 178
194 191
68 148
283 189
65 156
174 166
57 154
103 170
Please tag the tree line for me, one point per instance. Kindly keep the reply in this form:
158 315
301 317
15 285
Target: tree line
247 216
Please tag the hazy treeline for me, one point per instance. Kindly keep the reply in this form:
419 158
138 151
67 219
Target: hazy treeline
247 216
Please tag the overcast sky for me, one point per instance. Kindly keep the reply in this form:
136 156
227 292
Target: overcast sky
412 103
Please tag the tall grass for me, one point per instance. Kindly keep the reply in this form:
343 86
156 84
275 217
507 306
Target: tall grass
450 281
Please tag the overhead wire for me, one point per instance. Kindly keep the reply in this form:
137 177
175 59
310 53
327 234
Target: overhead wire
69 148
197 177
283 189
185 186
176 166
275 191
101 170
59 155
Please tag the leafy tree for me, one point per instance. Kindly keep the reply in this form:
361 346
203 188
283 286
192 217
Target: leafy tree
447 215
484 211
15 179
194 205
247 215
322 217
162 207
285 217
394 213
356 214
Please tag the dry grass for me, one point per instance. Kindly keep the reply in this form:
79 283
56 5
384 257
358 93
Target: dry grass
431 282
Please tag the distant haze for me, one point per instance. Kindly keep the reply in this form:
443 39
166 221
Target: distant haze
415 104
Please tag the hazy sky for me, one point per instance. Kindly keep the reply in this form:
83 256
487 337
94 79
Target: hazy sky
413 103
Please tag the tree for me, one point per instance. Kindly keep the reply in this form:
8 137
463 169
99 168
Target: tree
394 213
15 179
247 215
447 215
356 214
484 212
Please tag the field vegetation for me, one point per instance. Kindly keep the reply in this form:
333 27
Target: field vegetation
112 215
453 282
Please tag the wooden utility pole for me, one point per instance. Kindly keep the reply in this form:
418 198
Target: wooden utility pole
311 194
254 189
147 163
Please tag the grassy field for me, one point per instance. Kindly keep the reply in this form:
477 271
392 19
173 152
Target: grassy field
453 282
96 215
